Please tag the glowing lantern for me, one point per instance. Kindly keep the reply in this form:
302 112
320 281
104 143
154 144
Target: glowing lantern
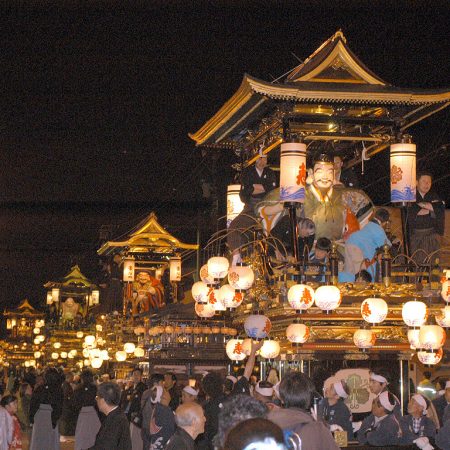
129 347
86 353
200 292
204 311
292 172
413 338
215 300
241 277
301 297
121 356
270 349
430 359
445 291
205 276
128 269
87 362
80 334
139 352
104 355
96 363
55 295
364 339
230 297
218 267
374 310
175 268
257 326
403 172
414 313
95 297
297 333
49 300
247 347
37 355
234 350
72 354
57 345
63 355
36 330
327 298
234 203
443 319
431 337
40 337
89 340
55 355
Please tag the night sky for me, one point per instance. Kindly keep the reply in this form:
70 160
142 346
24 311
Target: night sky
96 101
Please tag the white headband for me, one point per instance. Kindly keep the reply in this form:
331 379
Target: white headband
420 400
266 391
339 388
276 389
190 390
447 385
231 378
385 403
159 392
379 378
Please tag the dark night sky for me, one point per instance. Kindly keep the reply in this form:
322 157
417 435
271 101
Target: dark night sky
96 101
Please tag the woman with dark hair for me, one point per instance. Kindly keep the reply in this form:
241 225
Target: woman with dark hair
45 411
84 406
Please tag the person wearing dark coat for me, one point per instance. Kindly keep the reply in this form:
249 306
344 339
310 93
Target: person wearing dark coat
68 419
443 436
378 383
441 403
114 432
170 383
346 177
162 422
416 424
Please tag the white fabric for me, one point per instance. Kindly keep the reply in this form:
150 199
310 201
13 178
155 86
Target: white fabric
159 392
6 429
420 400
276 389
384 401
423 443
379 378
356 426
340 389
267 392
190 390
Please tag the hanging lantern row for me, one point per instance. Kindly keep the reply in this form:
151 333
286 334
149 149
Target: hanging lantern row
301 297
238 349
170 329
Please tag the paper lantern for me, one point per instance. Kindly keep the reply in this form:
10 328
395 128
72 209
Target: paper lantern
247 347
57 345
86 353
414 313
292 172
327 298
104 356
257 326
297 333
204 311
139 352
431 337
49 299
129 347
374 310
200 292
80 334
234 350
403 172
96 363
218 267
241 277
55 355
430 359
121 356
413 338
270 349
36 330
37 355
215 300
89 340
128 269
95 297
205 276
73 353
63 355
87 362
445 291
443 319
175 268
226 294
55 294
234 203
364 339
301 297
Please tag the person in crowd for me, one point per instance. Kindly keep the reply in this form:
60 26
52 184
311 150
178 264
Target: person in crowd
443 437
67 422
361 247
416 424
264 393
319 256
243 386
9 402
440 386
188 394
381 428
45 412
441 403
23 409
228 384
426 387
190 421
170 383
114 432
6 425
162 421
156 379
133 410
255 433
332 408
83 404
235 409
272 376
256 182
296 391
347 177
378 382
426 220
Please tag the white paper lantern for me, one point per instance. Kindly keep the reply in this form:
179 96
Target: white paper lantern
241 277
297 333
443 319
49 299
247 347
37 355
80 334
175 268
328 298
374 310
430 359
104 356
40 337
96 363
215 300
403 172
72 353
204 310
364 339
89 340
121 356
205 276
218 267
63 355
414 313
234 203
128 269
55 355
86 353
226 294
234 350
200 292
270 349
129 347
36 341
293 172
139 352
445 291
413 338
257 326
55 295
57 345
36 330
301 297
95 297
87 362
431 337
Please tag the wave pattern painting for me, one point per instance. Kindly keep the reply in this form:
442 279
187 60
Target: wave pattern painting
290 194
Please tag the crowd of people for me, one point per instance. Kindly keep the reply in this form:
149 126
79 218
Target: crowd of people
235 413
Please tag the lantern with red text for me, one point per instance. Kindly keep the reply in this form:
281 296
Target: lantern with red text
445 291
413 338
241 277
297 333
257 326
292 172
234 350
364 339
374 310
200 292
300 297
430 359
218 267
204 310
414 313
443 319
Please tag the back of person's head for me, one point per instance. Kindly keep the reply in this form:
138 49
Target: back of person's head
52 377
86 377
257 433
323 243
187 413
22 389
110 392
171 375
236 409
228 385
212 385
363 276
155 379
427 374
7 399
382 215
306 226
296 390
381 371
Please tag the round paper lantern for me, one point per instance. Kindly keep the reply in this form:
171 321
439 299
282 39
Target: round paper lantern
57 345
445 291
328 298
73 353
104 356
241 277
63 355
87 362
270 349
218 267
121 356
139 352
297 333
292 172
169 329
86 353
90 340
443 319
374 310
430 359
247 347
234 350
55 355
226 294
37 355
36 341
234 202
96 363
41 337
80 334
215 330
215 300
431 337
413 338
36 330
414 313
206 330
364 339
205 276
257 326
300 297
232 331
200 292
129 347
204 310
403 172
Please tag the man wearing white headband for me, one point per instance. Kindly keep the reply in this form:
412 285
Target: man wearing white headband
264 393
188 394
332 408
381 428
441 403
378 383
